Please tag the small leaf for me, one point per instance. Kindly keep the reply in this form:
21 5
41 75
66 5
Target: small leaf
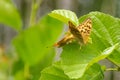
9 15
53 73
65 16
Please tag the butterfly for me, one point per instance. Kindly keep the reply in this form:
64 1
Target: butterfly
81 33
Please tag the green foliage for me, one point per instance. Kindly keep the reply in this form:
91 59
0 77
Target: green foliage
34 46
9 15
75 61
34 43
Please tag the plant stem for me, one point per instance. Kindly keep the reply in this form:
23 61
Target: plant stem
35 6
112 69
26 71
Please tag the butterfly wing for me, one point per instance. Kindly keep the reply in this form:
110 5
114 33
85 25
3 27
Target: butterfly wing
75 32
68 38
85 29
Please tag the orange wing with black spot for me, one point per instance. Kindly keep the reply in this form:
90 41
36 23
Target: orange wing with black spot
81 32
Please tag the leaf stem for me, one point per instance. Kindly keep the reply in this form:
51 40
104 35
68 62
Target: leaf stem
113 63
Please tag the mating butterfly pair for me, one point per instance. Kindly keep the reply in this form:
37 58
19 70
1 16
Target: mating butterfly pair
80 33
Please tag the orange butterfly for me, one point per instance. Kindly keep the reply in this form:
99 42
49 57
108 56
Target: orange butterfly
80 33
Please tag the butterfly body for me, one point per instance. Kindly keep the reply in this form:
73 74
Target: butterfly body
81 33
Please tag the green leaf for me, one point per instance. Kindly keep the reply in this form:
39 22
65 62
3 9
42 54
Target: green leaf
55 72
107 29
37 41
104 54
9 15
105 33
65 16
75 60
36 69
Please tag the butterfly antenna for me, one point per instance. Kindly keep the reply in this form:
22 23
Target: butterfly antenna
50 46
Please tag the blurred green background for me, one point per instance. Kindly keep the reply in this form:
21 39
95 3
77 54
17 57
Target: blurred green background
12 67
